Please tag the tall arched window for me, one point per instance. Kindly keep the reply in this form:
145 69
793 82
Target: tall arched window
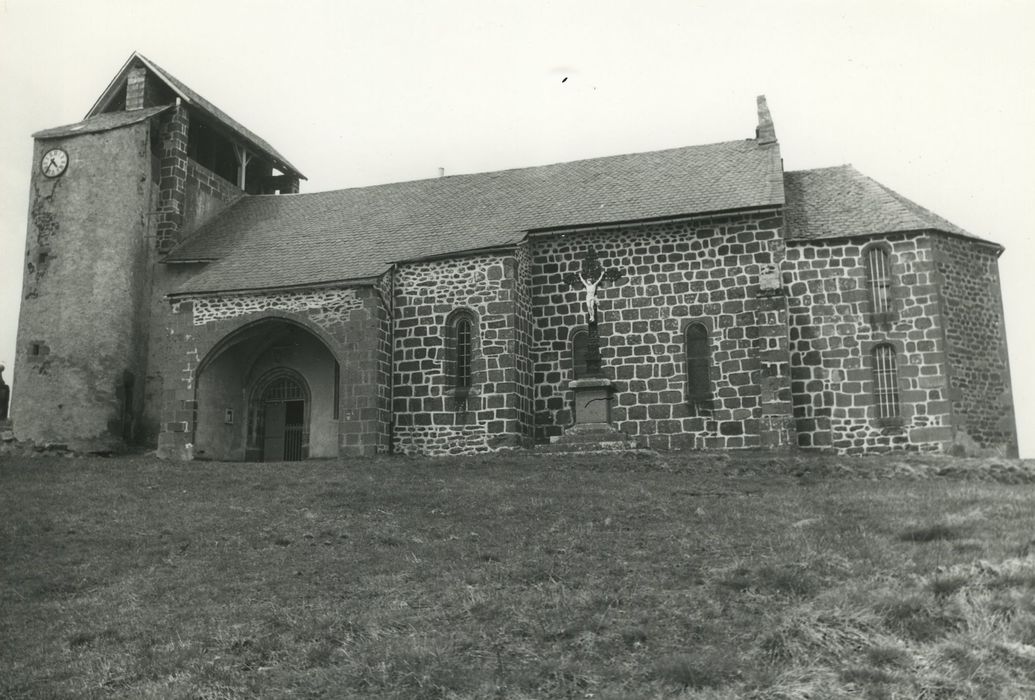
464 352
579 340
461 351
878 277
885 382
698 364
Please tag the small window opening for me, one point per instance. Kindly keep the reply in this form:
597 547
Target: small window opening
885 382
464 351
878 272
698 364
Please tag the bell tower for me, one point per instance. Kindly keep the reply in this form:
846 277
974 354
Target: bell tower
109 197
78 352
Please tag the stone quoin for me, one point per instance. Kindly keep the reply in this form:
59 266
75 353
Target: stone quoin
181 293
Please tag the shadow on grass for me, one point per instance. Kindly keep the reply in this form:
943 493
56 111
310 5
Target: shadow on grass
707 668
931 533
786 580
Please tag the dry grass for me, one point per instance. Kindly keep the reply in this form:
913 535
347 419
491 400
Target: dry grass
683 576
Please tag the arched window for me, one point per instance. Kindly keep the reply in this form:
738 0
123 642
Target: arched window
461 351
464 351
885 382
878 277
698 364
579 340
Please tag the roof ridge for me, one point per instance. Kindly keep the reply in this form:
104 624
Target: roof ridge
843 166
482 173
198 102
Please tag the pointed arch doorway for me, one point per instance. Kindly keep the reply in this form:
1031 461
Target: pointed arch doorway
269 391
279 416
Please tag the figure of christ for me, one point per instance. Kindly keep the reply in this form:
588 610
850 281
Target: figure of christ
590 302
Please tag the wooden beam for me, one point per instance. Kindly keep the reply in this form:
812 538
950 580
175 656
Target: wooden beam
243 158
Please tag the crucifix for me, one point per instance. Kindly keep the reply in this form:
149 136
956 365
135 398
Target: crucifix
591 276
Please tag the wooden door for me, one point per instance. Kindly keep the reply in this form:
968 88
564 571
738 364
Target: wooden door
273 432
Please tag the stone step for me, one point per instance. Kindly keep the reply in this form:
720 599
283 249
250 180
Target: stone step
590 437
590 447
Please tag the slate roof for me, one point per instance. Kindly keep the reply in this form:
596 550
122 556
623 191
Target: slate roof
198 102
840 202
272 241
101 122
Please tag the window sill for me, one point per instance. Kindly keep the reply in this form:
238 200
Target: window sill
884 318
894 423
462 392
700 404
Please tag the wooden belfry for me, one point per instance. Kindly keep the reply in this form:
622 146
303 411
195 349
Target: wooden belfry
591 276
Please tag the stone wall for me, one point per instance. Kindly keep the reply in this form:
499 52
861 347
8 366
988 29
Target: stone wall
172 177
346 321
523 339
80 354
705 270
206 194
430 416
833 334
975 341
385 390
325 307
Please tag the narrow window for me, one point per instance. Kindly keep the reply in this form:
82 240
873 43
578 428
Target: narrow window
464 351
578 353
878 272
337 388
698 364
885 382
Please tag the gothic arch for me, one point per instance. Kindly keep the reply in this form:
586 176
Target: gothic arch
283 381
250 325
230 411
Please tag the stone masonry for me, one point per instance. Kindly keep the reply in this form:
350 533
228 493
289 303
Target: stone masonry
345 321
429 417
705 270
967 275
833 335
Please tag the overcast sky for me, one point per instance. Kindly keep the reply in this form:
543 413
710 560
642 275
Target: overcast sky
933 99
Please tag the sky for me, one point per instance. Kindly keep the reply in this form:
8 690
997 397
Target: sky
933 99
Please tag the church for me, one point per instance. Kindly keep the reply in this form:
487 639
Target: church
180 293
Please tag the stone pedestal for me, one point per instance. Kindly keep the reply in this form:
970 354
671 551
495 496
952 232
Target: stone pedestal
592 431
592 400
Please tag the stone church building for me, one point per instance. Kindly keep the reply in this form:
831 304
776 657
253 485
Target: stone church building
179 292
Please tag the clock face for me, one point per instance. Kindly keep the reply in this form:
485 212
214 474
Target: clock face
54 162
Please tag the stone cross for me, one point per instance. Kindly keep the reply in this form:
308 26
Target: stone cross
591 276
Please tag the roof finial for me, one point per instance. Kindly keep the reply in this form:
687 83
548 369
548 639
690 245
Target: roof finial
765 132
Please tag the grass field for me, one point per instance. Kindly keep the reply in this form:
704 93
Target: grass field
516 576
